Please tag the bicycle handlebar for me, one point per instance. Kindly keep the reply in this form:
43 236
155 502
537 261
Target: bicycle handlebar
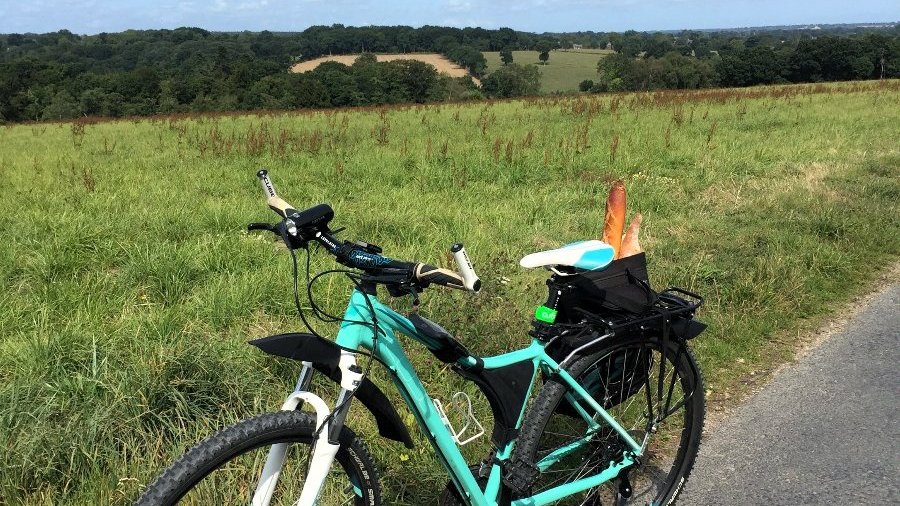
312 224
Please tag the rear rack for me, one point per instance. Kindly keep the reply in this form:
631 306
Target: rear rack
671 302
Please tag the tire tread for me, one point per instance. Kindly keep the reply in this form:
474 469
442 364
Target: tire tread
224 445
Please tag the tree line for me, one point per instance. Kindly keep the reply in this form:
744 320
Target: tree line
753 60
63 75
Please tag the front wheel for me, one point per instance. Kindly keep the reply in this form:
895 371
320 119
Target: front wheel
653 391
226 467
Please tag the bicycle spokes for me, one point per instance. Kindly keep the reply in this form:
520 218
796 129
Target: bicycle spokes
643 392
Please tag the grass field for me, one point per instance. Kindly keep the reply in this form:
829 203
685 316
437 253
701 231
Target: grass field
130 288
564 69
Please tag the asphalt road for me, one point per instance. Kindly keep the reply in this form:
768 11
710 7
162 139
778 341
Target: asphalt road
826 430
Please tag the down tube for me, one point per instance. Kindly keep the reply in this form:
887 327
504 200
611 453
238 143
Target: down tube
390 352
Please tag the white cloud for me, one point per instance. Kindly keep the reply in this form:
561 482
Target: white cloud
459 6
460 22
248 6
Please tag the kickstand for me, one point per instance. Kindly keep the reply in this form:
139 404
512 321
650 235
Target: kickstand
625 490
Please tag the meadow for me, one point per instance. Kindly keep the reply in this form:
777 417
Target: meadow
130 287
564 70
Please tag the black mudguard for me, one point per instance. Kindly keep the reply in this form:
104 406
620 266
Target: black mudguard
324 356
686 328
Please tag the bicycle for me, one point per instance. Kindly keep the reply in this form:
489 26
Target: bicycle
616 418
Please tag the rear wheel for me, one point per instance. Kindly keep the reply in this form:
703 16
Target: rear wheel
624 378
226 467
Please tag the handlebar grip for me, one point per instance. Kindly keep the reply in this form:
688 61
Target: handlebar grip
431 274
281 207
470 279
268 188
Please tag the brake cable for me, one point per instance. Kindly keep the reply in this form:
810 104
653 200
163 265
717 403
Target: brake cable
297 293
374 324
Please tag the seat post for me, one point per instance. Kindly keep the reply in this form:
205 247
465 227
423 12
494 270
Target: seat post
545 315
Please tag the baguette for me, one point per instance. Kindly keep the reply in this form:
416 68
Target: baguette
615 216
631 245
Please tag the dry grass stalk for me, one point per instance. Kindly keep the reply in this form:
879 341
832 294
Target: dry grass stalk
613 148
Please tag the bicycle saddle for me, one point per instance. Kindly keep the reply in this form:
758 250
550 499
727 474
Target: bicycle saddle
588 255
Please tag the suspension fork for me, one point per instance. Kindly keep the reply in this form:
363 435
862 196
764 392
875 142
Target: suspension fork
305 378
325 446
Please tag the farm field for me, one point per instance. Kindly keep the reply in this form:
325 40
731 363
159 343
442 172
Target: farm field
130 288
439 62
564 69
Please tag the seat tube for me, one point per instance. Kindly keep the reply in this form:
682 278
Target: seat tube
545 315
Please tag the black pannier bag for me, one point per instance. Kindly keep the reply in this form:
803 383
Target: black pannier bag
622 287
619 298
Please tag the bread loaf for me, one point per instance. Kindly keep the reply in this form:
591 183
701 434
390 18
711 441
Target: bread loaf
631 245
615 216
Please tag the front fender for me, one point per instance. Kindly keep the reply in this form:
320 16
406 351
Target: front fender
324 356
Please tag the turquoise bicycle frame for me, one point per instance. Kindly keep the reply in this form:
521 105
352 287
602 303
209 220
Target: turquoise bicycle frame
390 352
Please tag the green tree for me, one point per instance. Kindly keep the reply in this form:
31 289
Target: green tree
544 56
543 49
504 38
271 92
365 59
751 66
369 80
63 106
31 102
418 78
470 58
506 56
615 73
341 88
92 101
168 99
308 92
513 80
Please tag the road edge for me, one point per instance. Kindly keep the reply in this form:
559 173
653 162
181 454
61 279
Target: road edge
799 343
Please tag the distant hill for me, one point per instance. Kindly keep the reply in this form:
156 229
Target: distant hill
840 27
63 75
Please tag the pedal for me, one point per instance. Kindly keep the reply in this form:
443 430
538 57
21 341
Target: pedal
464 410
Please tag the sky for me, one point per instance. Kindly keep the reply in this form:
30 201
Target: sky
94 16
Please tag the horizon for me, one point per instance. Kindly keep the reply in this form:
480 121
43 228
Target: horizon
534 16
799 26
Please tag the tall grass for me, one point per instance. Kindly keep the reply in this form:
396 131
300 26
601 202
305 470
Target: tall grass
130 288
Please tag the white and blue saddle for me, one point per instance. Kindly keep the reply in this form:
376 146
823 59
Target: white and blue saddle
589 255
